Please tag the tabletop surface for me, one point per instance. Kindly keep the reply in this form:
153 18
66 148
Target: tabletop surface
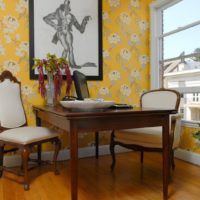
59 110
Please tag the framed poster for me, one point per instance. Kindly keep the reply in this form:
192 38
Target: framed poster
71 29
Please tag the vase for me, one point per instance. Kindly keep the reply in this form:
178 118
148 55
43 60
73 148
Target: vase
50 90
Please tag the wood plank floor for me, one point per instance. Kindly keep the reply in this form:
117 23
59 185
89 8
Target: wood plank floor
129 181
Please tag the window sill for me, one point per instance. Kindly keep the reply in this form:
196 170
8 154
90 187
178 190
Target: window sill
191 124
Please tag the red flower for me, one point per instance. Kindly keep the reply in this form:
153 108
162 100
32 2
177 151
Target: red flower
42 88
53 65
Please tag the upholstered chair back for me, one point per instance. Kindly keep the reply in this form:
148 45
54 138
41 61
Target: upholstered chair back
11 109
169 99
162 98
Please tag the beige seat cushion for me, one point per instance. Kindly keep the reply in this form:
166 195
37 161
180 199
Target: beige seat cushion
27 135
147 137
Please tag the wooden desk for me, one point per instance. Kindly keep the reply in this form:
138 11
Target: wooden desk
75 122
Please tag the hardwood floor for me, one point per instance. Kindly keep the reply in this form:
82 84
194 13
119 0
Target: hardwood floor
129 181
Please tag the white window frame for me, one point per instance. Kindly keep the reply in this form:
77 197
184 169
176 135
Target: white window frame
156 9
156 31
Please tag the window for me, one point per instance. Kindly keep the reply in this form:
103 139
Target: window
196 97
175 51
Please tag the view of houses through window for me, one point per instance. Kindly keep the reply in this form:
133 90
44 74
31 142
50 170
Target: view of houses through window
180 56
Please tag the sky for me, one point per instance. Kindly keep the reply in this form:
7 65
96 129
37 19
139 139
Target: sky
181 14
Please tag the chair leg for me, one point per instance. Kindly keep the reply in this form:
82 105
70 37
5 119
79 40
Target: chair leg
141 156
1 159
57 144
39 157
25 157
97 144
172 159
112 150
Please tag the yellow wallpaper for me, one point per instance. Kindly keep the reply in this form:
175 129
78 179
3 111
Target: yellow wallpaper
125 50
125 55
188 142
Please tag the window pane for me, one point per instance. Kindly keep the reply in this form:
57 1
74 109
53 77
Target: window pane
185 41
190 107
182 73
181 14
188 81
177 82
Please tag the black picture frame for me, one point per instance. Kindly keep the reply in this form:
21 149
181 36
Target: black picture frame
98 75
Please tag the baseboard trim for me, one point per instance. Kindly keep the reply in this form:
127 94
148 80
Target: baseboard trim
188 156
14 160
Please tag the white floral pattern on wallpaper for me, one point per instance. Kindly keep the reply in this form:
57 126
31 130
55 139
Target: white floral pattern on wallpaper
2 5
135 3
114 3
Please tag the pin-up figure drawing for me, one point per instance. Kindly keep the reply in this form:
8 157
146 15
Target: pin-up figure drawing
62 20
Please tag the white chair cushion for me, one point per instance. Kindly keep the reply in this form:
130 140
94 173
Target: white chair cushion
159 99
146 137
11 109
27 135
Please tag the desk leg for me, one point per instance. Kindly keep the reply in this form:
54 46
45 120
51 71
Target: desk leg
74 164
97 144
166 154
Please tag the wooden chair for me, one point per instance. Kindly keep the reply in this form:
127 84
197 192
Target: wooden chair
150 138
14 129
